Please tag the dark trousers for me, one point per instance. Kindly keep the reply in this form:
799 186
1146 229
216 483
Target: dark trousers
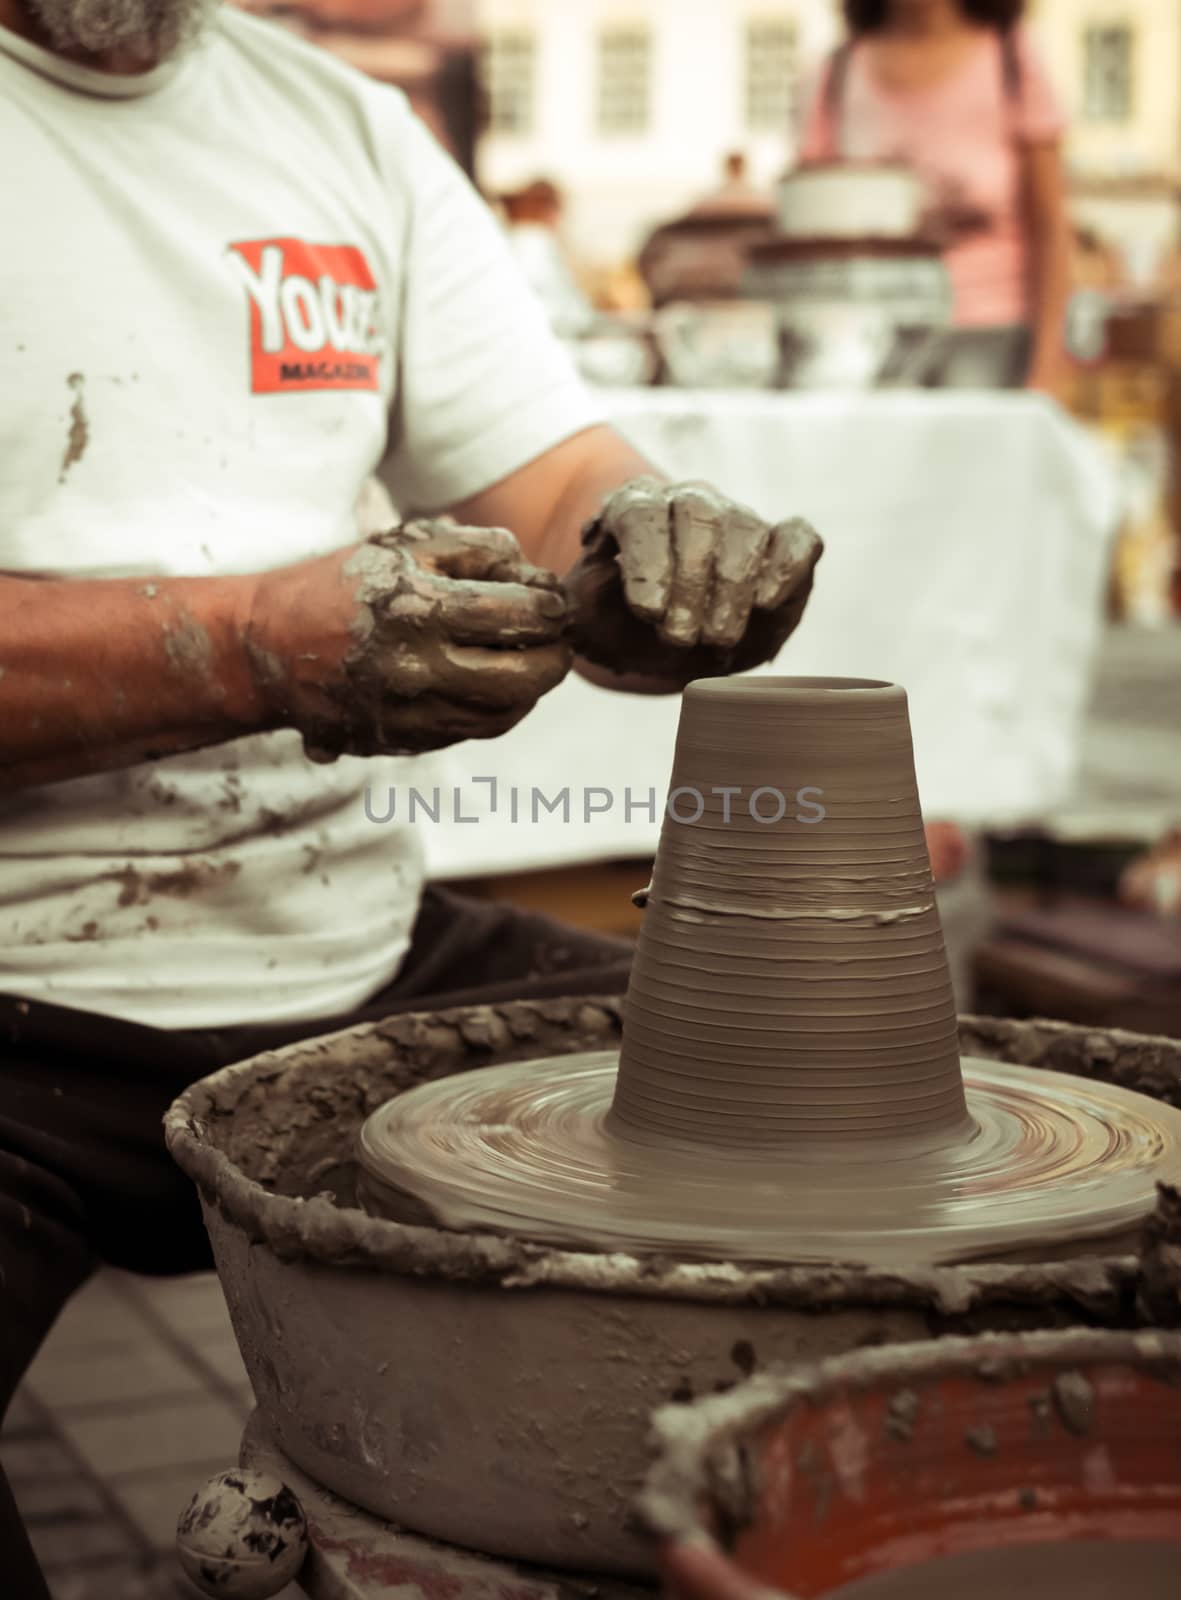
85 1177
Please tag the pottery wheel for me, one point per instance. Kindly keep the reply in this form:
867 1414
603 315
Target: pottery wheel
1049 1165
789 1086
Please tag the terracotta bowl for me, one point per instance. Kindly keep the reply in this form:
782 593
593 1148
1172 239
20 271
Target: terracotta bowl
1039 1451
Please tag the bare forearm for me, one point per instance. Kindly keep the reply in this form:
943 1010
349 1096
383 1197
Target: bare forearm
1051 293
101 674
548 503
561 541
1048 222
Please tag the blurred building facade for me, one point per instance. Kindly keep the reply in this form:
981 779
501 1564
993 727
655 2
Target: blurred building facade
632 105
1118 68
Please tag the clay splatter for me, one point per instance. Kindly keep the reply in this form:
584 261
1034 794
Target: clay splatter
744 1358
79 435
1075 1402
902 1414
982 1440
188 646
137 888
1041 1410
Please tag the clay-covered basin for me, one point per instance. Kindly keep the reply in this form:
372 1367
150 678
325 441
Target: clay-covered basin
1044 1463
497 1394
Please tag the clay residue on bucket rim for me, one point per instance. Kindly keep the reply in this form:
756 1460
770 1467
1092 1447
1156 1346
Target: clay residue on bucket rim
694 1445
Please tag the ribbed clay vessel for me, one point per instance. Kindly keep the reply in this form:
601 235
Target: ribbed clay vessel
790 982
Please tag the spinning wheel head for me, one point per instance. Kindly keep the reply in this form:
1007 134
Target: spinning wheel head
1051 1166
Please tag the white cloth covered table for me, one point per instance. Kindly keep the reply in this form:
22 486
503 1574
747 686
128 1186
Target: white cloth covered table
966 552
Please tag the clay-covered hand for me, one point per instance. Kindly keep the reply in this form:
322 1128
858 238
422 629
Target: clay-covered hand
416 639
678 582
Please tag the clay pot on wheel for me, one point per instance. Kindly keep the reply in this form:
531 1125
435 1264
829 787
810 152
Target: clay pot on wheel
1045 1464
790 1087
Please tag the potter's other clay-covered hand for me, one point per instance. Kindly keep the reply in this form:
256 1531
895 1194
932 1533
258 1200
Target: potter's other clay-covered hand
679 582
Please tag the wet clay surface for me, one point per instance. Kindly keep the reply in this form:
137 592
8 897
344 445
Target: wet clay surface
790 984
1090 1570
790 1086
1053 1168
272 1143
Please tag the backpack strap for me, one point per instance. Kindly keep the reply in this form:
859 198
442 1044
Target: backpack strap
1011 70
834 91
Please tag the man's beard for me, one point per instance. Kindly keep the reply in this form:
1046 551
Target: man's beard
154 28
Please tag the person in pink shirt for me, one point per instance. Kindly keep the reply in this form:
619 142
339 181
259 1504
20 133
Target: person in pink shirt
955 90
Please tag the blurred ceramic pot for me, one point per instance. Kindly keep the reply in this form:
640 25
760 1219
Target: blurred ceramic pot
719 345
615 355
854 313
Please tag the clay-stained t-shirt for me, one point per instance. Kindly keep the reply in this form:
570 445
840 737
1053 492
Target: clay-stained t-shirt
964 135
231 290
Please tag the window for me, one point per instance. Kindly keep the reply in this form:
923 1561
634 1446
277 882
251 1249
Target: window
625 66
772 74
509 72
1107 73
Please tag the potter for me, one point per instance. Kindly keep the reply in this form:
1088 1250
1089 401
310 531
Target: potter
209 647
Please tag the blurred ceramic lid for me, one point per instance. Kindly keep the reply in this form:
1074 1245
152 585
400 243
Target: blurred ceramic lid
842 200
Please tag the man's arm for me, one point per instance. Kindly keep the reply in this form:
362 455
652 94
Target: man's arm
549 502
104 673
417 639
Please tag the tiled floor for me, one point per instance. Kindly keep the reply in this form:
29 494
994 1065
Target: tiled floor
137 1397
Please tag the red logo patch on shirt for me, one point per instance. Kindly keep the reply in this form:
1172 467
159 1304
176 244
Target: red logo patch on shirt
314 315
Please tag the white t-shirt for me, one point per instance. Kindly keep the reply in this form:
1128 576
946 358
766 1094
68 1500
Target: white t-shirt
231 290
